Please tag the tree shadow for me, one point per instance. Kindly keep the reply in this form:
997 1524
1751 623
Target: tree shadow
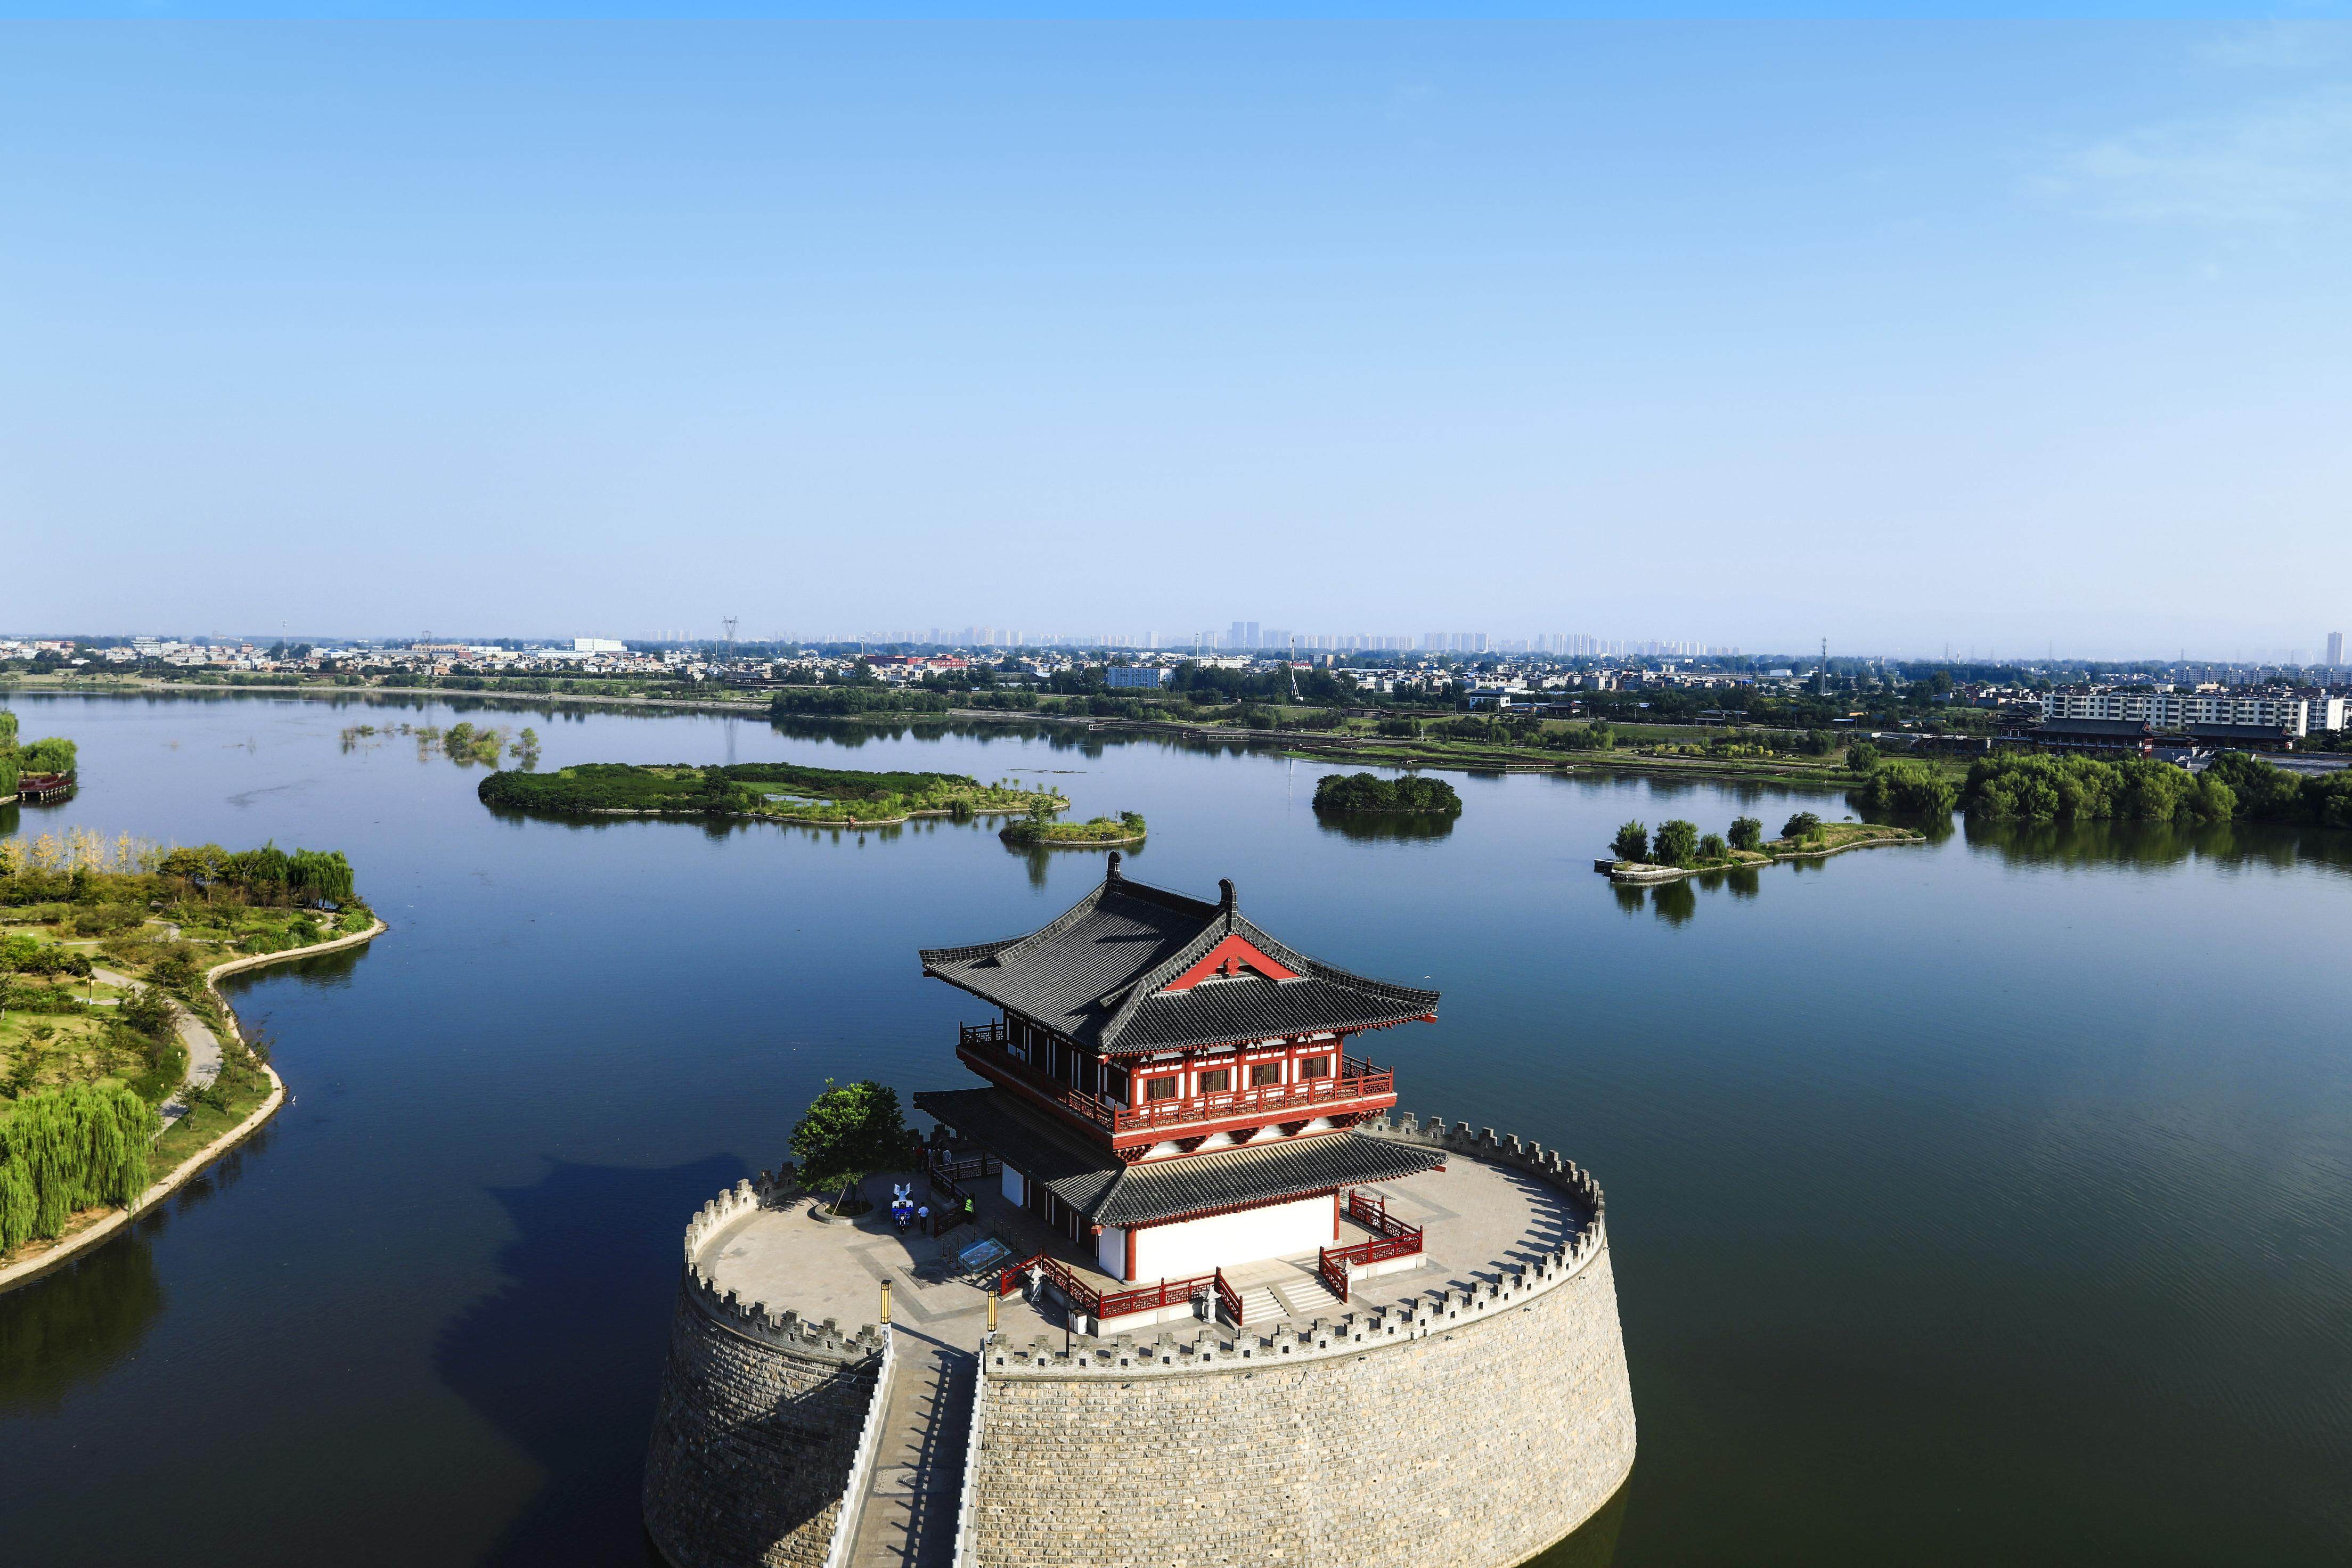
78 1324
566 1359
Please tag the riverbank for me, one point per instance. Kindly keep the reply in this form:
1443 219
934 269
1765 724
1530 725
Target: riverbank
1828 773
1837 839
92 1226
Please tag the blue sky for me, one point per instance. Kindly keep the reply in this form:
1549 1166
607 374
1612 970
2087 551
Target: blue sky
1994 334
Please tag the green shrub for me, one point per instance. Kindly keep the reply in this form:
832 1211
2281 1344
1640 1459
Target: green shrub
1747 833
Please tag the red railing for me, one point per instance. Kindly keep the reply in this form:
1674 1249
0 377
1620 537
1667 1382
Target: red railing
1356 1080
1372 1214
1103 1304
1391 1237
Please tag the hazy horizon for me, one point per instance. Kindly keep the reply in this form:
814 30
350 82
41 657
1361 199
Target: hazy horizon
2004 336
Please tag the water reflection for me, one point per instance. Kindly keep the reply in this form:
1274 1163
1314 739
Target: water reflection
1388 826
78 1324
1674 902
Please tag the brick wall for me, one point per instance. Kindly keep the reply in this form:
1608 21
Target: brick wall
753 1437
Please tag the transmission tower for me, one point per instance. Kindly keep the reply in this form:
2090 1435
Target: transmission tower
729 622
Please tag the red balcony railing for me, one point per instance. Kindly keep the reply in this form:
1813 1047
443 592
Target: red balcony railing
1356 1080
1103 1304
1391 1237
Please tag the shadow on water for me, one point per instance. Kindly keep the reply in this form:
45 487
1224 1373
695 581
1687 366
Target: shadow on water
565 1360
78 1324
1594 1543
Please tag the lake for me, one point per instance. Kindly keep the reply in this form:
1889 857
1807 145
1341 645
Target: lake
1984 1201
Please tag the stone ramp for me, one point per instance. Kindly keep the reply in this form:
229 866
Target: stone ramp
908 1517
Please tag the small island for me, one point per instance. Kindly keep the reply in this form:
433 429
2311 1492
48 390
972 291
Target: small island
41 771
1039 828
1369 792
122 1069
1678 850
772 792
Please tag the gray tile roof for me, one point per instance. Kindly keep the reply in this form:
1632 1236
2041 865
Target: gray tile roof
1095 974
1109 1192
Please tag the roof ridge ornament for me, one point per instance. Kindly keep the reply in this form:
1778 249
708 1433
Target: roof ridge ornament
1111 874
1226 898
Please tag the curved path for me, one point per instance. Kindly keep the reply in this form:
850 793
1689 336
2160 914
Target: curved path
203 1066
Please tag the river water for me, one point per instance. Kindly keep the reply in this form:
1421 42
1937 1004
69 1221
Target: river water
1980 1202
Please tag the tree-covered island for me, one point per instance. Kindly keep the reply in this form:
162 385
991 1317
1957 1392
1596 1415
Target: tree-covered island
50 762
776 792
1369 792
1679 849
1099 832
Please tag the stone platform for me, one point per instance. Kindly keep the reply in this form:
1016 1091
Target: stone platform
950 1451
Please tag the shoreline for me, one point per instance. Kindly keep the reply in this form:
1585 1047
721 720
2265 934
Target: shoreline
75 1242
1293 741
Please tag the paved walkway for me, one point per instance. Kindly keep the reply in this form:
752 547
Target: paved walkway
908 1517
202 1046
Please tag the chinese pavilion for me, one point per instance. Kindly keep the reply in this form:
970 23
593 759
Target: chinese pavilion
1170 1084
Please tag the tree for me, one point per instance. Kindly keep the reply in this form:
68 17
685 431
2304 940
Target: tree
1747 833
1803 825
850 1131
1631 842
53 755
1712 848
1677 843
1862 756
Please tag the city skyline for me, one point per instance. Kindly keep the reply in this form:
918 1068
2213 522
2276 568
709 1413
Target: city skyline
1906 335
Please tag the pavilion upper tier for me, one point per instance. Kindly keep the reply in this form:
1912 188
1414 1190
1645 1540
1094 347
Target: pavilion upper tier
1136 971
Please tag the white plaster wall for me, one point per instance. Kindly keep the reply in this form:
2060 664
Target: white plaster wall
1197 1246
1014 1186
1110 1252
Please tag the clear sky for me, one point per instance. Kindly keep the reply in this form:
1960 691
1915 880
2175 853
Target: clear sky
1999 335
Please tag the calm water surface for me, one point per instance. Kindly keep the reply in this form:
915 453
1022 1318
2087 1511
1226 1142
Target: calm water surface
1984 1202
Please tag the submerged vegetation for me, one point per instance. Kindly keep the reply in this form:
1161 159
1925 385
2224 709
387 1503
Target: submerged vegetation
1368 792
784 791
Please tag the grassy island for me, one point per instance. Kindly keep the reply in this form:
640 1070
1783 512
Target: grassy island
1095 833
1368 792
781 792
104 948
1678 848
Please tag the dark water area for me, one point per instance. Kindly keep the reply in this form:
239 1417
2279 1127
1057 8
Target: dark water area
1983 1201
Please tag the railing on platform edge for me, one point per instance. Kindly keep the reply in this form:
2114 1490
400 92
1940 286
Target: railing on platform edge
1357 1080
1102 1305
1373 1214
1229 1298
1391 1237
861 1468
967 1554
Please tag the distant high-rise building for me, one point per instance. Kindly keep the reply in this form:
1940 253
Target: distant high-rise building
1242 636
2335 649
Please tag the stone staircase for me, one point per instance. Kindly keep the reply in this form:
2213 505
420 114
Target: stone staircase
1291 1295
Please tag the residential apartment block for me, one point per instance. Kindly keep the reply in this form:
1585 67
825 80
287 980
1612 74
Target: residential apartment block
2297 716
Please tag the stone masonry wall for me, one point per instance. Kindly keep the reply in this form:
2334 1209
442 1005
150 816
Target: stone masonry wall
1458 1429
757 1424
